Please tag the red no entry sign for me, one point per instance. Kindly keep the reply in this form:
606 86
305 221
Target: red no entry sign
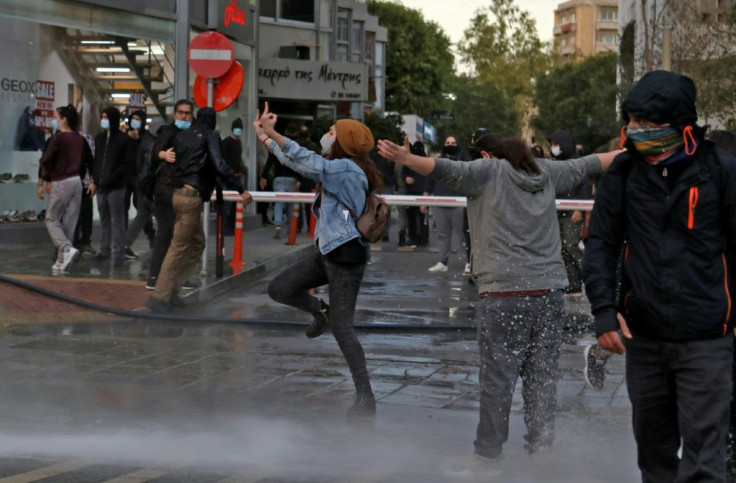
210 54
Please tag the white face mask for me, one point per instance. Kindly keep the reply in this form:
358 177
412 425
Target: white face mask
556 151
326 142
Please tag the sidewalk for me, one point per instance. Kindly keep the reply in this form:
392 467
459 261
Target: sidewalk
121 287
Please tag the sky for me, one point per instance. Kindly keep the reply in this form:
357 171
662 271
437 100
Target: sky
454 15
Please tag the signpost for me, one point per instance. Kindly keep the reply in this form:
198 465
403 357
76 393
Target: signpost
211 56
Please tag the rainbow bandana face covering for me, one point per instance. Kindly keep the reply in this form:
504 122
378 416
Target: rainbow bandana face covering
655 144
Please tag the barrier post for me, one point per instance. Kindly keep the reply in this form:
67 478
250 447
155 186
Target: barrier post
294 224
237 262
312 220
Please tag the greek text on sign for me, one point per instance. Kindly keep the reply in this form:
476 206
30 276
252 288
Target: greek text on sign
321 81
233 13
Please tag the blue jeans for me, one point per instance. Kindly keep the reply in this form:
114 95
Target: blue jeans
282 184
292 288
518 336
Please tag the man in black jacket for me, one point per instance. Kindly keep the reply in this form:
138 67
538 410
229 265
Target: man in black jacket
112 153
669 204
162 163
199 162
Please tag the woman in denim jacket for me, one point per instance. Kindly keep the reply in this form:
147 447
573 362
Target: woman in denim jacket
346 175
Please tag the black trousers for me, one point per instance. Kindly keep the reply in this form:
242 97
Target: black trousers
291 287
83 231
163 210
680 393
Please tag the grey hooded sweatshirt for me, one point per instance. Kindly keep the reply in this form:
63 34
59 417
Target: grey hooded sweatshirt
513 220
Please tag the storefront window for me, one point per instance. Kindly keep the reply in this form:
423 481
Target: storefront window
296 10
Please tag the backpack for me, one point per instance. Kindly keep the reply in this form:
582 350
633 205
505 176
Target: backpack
372 223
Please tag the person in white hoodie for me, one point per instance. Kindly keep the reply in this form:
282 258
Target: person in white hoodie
518 269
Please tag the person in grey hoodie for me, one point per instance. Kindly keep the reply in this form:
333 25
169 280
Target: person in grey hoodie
518 269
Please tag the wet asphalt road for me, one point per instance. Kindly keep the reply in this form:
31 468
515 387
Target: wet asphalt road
142 401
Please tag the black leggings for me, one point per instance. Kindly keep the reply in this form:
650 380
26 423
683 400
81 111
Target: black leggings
291 287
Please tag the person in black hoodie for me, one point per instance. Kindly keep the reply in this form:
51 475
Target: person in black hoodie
417 228
669 203
199 162
112 153
571 222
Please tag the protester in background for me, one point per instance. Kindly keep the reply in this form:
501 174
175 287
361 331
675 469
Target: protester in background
199 162
304 139
108 184
346 176
83 230
562 149
137 132
518 268
143 197
669 203
285 180
163 159
449 220
386 168
67 155
232 151
417 223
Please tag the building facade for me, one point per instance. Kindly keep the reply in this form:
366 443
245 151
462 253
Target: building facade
586 27
321 59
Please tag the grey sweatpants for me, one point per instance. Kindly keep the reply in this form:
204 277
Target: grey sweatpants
449 224
62 211
111 205
518 336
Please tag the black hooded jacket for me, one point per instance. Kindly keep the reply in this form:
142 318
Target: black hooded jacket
679 236
199 157
114 150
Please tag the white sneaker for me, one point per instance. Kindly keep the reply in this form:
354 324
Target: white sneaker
466 270
69 256
56 267
439 267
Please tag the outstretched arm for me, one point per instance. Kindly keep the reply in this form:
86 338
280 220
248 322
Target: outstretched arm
402 155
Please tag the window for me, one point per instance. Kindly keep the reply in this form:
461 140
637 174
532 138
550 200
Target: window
342 35
295 10
608 15
357 50
572 17
563 42
608 39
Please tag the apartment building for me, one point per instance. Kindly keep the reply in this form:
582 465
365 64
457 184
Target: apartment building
586 27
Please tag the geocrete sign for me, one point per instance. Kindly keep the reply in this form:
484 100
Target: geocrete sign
312 81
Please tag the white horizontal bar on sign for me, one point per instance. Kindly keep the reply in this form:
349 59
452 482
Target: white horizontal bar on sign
395 200
207 54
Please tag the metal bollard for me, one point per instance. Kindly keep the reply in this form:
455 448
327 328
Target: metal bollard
294 224
237 262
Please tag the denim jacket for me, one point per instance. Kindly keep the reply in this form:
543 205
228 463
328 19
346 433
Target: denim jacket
344 188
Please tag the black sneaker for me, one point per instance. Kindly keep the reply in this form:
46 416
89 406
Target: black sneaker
151 283
594 371
320 322
158 307
130 254
176 301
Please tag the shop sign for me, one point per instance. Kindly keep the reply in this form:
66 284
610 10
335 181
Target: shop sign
44 113
137 100
312 81
236 19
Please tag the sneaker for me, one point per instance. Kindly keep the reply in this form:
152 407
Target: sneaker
176 301
466 270
130 254
438 267
191 285
594 371
158 306
479 468
69 255
87 250
151 283
320 322
277 233
102 257
56 267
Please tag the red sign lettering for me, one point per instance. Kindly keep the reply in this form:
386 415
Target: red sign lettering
233 13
